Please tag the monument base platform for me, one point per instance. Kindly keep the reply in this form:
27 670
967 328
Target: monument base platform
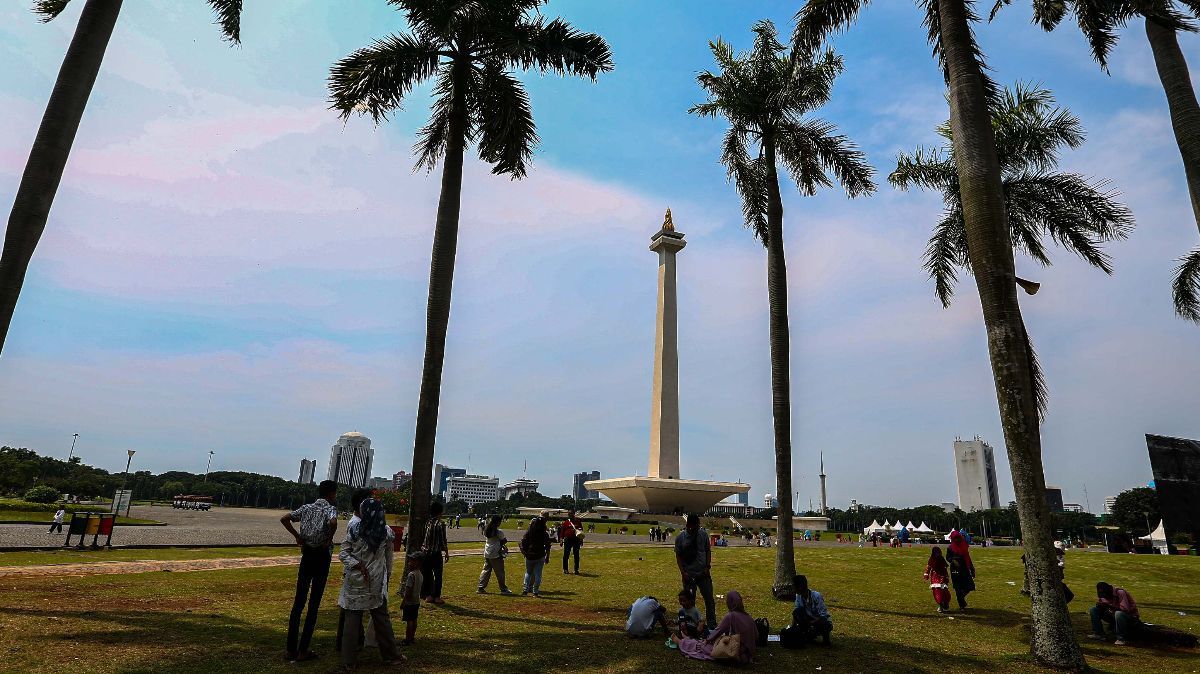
663 495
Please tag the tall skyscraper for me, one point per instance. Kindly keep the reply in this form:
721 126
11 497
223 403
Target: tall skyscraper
581 493
442 475
976 472
350 460
1054 499
308 471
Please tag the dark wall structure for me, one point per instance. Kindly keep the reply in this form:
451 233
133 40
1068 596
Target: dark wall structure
1175 463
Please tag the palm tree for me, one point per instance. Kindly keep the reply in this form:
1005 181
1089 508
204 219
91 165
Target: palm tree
1163 19
60 122
1072 211
972 93
468 48
766 94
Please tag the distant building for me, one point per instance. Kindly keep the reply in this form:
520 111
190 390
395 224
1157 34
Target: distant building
380 484
948 507
521 485
473 489
854 506
770 501
1108 504
732 508
976 472
743 498
308 471
1072 508
442 475
581 493
1054 499
400 479
350 460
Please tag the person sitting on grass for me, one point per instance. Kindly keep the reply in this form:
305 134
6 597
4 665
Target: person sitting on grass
736 623
690 623
318 524
410 595
810 613
1115 606
645 613
366 557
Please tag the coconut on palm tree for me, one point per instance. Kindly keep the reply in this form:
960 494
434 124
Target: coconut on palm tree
767 95
56 134
468 50
1163 20
1042 203
950 30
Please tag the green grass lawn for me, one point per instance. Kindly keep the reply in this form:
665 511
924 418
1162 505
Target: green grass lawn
71 556
235 621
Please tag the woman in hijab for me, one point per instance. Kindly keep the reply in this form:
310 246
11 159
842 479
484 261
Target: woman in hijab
937 572
736 621
962 571
366 557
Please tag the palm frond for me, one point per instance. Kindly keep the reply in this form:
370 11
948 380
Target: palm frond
817 20
47 10
432 138
1030 129
556 47
1098 26
947 249
749 178
1186 286
229 18
374 80
1041 392
1079 215
507 133
811 146
924 168
933 26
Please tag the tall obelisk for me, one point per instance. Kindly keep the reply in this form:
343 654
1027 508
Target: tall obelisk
664 403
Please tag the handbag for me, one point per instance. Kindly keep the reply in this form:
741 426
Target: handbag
727 647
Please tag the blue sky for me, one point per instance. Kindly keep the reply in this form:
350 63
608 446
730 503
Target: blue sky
228 266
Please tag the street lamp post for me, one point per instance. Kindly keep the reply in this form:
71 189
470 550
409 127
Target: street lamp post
210 453
982 517
72 453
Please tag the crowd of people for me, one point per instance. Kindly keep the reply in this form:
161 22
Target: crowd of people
366 555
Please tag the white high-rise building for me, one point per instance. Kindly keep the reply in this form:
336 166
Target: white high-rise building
976 472
473 489
1109 502
521 485
350 460
308 471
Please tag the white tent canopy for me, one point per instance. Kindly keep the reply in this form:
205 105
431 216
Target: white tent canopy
873 527
924 529
1158 538
911 526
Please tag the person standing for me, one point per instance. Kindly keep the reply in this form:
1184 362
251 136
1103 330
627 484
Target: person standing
318 524
693 556
535 546
410 596
56 525
962 570
436 551
570 532
366 557
937 572
493 556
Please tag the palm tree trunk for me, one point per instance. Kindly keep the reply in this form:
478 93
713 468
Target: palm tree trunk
1181 99
51 147
781 393
1052 640
441 282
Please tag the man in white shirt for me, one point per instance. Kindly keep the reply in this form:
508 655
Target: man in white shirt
56 526
318 524
643 615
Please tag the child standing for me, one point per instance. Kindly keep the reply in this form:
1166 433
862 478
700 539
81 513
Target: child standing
493 556
366 557
410 595
937 572
690 623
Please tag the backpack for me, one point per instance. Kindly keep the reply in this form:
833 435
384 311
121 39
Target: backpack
764 629
792 636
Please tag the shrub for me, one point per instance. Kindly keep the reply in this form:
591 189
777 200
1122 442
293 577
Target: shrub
42 494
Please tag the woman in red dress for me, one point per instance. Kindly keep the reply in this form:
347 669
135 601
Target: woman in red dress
937 572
